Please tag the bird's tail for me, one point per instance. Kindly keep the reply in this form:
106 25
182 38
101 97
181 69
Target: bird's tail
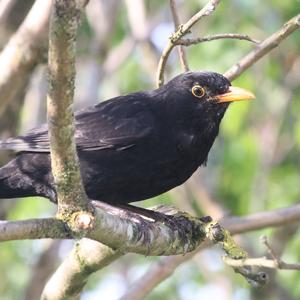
13 184
6 171
5 190
27 175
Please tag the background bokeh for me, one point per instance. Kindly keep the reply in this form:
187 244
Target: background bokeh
253 166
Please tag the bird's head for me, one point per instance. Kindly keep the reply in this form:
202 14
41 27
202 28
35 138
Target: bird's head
201 96
195 103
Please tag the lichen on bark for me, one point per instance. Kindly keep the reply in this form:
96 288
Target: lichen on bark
65 20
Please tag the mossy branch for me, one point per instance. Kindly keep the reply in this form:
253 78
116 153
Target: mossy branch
64 23
263 48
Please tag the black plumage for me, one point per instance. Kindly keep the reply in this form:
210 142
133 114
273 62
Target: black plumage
130 147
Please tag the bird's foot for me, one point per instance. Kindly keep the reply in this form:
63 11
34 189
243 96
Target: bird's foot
176 221
144 227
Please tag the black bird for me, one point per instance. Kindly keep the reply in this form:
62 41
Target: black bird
130 147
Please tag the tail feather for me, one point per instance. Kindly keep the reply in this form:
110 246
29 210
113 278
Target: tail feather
27 175
9 183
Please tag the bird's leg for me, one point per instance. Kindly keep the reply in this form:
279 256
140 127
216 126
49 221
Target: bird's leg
123 211
176 223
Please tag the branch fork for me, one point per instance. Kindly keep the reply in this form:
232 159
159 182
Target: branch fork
274 263
178 34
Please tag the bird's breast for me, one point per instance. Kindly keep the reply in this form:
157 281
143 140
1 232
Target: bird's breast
194 146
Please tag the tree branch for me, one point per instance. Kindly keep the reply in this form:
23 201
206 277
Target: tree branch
23 51
263 48
189 42
277 217
274 263
117 229
181 51
69 271
64 23
183 30
69 279
260 262
128 234
33 229
165 267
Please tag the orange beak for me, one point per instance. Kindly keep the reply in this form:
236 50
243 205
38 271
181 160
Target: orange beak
235 94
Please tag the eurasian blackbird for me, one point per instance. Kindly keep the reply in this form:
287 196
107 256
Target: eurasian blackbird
131 147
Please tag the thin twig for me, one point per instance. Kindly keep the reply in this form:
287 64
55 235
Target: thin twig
263 48
189 42
260 262
207 10
265 241
181 51
279 263
183 30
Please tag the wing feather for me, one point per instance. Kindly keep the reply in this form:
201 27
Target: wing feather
118 124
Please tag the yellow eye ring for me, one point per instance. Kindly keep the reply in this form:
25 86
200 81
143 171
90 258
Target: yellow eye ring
198 91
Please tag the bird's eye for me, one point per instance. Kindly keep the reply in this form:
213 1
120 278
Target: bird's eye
198 91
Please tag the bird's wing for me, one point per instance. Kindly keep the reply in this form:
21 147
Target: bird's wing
117 124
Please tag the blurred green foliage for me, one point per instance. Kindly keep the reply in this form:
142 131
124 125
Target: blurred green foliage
254 165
